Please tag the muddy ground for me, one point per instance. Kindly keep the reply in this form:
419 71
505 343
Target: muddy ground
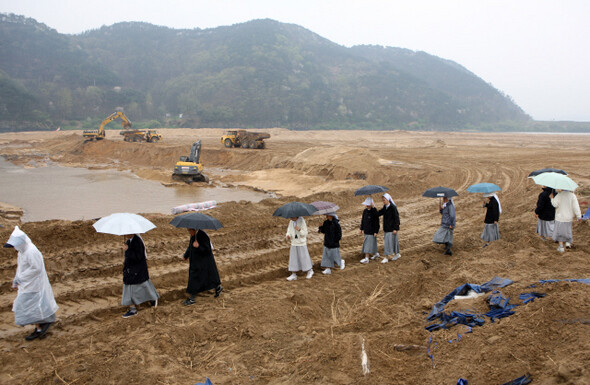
265 330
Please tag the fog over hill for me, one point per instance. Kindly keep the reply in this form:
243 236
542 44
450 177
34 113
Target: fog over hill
261 73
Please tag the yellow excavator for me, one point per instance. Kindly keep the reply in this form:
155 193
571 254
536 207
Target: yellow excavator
100 133
189 169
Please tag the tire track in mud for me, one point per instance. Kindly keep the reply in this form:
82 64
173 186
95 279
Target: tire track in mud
87 279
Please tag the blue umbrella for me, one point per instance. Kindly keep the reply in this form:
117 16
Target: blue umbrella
483 188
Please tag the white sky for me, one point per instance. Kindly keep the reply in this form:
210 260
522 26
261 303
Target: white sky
536 51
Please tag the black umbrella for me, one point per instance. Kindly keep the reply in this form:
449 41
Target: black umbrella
544 170
440 192
294 209
196 221
370 189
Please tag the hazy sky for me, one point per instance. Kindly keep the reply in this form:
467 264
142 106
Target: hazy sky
536 51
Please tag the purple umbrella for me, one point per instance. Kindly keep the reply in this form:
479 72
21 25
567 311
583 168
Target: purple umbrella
323 207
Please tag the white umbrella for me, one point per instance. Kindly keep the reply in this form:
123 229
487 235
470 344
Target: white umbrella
123 223
556 181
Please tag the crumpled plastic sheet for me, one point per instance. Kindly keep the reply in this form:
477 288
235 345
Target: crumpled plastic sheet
530 297
499 306
583 280
522 380
207 382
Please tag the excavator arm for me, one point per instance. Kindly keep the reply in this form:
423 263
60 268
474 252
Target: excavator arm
125 124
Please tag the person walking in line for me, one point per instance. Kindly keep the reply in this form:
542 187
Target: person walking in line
202 272
444 235
545 213
137 286
299 259
491 230
34 303
390 228
369 227
332 236
566 207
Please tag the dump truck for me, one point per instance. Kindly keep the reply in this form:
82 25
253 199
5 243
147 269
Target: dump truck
101 133
150 136
244 139
189 168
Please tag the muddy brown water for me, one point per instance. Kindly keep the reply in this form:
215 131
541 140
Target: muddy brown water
56 192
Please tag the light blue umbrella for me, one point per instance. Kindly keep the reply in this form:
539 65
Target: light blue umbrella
483 188
556 181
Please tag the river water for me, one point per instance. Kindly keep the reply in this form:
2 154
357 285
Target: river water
56 192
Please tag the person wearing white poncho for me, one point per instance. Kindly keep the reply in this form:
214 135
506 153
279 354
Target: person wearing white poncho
34 303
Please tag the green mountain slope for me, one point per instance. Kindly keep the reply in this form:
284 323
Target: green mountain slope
262 73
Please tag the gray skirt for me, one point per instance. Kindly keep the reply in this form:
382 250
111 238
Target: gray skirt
370 244
299 259
331 256
391 244
491 232
138 294
563 232
545 228
443 235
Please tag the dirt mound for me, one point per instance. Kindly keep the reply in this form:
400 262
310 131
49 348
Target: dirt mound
266 330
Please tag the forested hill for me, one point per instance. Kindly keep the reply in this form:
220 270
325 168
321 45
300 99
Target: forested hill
262 73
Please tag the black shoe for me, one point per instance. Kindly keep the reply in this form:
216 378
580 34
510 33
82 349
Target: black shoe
154 303
44 329
33 335
448 252
218 291
486 245
130 313
189 301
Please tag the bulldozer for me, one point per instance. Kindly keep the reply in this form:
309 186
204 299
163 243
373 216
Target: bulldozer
189 169
244 139
150 136
100 133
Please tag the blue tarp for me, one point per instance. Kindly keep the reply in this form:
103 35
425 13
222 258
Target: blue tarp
529 297
207 382
523 380
587 214
499 306
581 280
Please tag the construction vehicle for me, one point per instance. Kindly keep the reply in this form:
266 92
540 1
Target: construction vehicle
188 168
150 136
100 133
244 139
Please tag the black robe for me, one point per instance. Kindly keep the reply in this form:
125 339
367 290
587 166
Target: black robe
202 272
332 233
135 269
492 212
545 210
390 218
370 221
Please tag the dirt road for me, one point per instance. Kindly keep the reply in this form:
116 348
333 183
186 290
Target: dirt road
265 330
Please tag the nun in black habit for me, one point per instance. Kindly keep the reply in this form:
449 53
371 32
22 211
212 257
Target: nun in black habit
137 286
202 272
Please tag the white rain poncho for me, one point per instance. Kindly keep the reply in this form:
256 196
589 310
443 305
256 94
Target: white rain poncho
34 302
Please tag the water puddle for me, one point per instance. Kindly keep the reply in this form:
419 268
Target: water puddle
56 192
